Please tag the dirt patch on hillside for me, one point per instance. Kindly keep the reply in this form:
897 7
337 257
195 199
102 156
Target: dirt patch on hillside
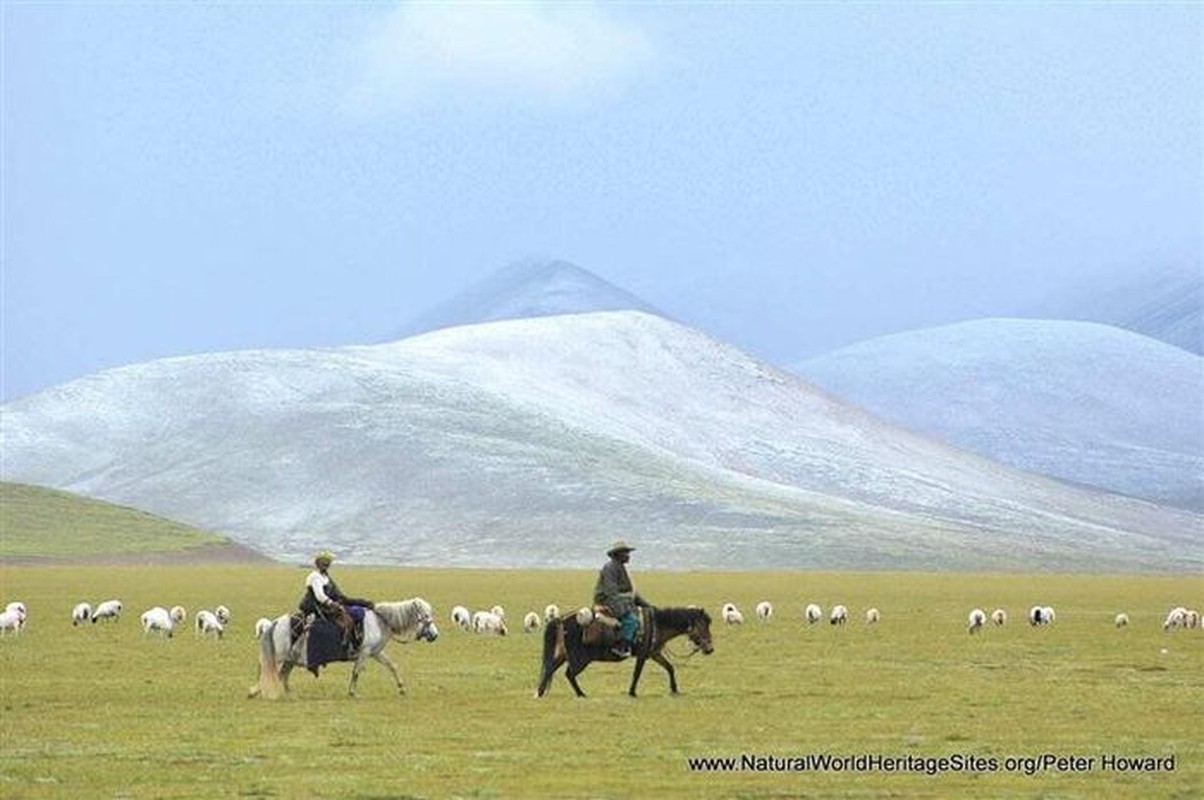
223 553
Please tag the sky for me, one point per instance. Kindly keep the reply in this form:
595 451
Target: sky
186 178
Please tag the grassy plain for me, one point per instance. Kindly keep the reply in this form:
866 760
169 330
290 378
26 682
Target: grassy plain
104 712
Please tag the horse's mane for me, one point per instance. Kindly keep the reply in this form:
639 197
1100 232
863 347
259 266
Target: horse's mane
681 618
403 616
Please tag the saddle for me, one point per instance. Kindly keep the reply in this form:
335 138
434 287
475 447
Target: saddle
330 639
603 630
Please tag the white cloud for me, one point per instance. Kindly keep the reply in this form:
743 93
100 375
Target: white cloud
539 51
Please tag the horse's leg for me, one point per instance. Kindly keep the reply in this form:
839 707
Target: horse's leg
285 671
545 679
659 658
388 662
356 669
571 672
635 676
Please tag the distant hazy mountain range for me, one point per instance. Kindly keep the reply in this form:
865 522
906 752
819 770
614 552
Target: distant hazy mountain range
1084 402
525 290
538 441
1167 305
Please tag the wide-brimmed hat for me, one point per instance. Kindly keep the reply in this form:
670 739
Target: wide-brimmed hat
619 547
325 555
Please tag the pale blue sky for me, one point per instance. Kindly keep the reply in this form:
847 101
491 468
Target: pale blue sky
183 178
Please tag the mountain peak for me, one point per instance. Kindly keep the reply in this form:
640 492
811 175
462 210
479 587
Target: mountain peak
525 289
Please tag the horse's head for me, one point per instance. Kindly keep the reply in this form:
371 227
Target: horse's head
427 630
699 631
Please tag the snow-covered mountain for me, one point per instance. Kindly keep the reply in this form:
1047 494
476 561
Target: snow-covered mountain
1166 304
1083 402
525 290
537 442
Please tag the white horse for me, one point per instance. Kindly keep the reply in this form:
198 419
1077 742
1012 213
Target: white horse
407 619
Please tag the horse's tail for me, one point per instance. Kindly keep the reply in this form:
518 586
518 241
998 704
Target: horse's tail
553 653
269 684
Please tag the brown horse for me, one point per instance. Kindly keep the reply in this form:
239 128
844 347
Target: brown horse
562 642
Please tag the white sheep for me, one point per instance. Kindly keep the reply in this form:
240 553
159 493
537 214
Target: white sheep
488 623
530 622
157 620
208 623
813 613
764 610
109 609
261 626
1191 619
1177 618
81 613
1040 615
461 617
178 614
223 615
840 615
731 614
977 619
1122 619
584 616
13 620
18 608
999 617
551 612
872 616
498 611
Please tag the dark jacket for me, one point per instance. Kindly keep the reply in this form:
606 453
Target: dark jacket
614 589
310 605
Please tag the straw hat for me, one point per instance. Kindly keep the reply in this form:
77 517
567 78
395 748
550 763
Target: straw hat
325 555
619 547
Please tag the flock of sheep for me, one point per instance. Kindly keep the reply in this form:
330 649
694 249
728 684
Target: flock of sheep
157 620
162 621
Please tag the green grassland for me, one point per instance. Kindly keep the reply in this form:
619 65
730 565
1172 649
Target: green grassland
36 522
102 711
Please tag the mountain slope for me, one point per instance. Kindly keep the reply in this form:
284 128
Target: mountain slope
41 523
1083 402
539 441
1167 305
524 290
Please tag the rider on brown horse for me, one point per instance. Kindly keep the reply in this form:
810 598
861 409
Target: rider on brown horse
614 590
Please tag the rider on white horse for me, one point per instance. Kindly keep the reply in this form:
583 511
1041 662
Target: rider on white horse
324 599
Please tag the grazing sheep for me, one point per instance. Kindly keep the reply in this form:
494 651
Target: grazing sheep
1122 620
109 609
585 615
208 623
813 613
487 623
461 617
999 617
17 607
977 619
178 614
840 615
81 613
732 615
1191 619
764 610
11 619
1040 615
551 612
261 626
223 615
530 622
872 616
1177 618
158 620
